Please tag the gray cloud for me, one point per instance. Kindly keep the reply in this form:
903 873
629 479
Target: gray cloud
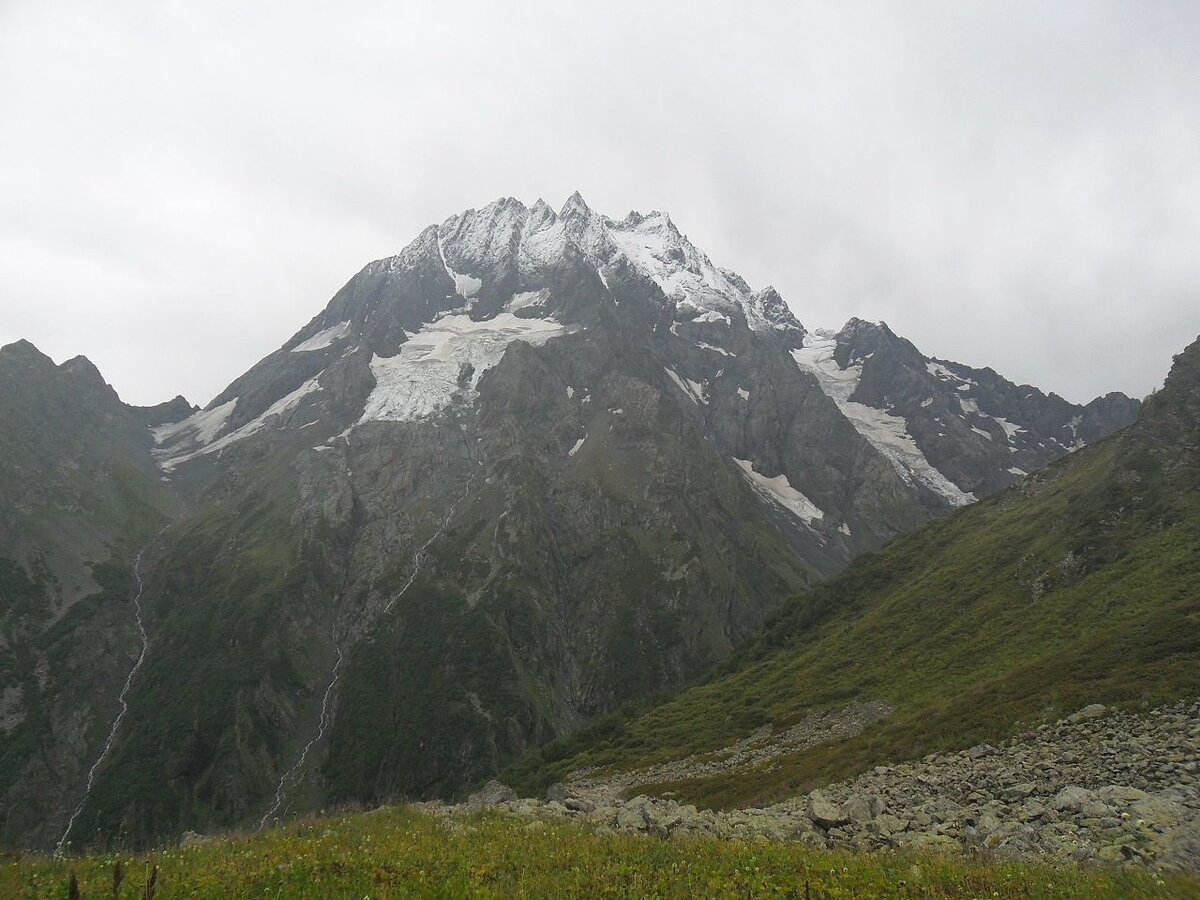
1014 185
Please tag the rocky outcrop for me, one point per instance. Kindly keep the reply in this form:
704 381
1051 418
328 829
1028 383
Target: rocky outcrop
1100 786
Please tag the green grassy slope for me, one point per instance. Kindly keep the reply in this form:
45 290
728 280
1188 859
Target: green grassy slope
1080 585
402 853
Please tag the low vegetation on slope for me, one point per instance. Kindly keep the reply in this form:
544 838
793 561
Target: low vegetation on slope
401 852
1079 585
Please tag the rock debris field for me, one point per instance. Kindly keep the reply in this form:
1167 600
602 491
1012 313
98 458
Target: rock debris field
1098 786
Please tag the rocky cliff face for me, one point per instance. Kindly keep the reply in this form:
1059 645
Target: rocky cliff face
537 464
80 492
955 433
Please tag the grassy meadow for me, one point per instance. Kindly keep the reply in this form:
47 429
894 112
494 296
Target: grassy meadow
404 852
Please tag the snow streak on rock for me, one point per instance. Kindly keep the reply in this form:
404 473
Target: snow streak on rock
888 433
194 436
780 492
122 700
323 339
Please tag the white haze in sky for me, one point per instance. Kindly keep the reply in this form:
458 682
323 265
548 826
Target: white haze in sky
182 185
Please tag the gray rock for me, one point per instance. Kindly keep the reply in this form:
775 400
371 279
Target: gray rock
824 812
862 808
887 824
1071 799
1157 811
1018 792
1094 711
491 794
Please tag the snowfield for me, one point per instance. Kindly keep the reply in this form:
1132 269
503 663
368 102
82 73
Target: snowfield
444 358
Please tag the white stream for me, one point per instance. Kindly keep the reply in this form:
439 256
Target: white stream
292 776
287 781
121 699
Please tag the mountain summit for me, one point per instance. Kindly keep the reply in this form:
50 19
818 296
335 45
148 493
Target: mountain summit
533 466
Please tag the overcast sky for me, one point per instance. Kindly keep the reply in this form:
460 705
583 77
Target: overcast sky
183 185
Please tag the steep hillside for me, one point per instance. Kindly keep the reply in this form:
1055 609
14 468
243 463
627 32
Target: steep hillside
1079 585
81 494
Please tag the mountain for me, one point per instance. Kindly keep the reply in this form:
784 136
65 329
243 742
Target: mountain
81 493
536 465
1079 585
961 432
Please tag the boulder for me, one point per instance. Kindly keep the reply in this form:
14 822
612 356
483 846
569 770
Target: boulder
862 808
1094 711
1018 792
491 794
887 824
1120 795
630 818
1157 811
1071 799
823 812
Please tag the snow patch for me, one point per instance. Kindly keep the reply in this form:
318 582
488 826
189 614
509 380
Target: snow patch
693 389
703 346
712 316
323 339
780 491
744 394
1010 428
1013 470
464 285
578 444
445 358
171 456
526 299
198 428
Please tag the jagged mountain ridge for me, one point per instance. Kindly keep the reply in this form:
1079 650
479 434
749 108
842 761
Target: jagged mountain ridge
534 465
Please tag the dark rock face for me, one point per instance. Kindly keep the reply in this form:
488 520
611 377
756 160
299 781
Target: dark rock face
537 464
978 430
79 493
163 413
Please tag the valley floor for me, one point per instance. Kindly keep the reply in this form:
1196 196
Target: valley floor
402 852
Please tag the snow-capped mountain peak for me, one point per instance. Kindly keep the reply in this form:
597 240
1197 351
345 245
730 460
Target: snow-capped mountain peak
506 239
